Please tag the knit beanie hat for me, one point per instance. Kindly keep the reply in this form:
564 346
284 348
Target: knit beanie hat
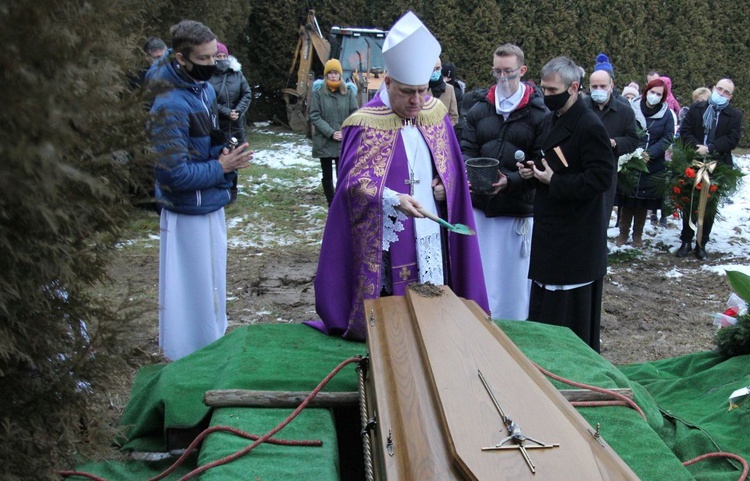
333 65
630 90
602 63
221 48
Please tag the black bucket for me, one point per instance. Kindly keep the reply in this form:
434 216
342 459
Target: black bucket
482 173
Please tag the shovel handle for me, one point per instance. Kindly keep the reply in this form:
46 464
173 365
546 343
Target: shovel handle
437 219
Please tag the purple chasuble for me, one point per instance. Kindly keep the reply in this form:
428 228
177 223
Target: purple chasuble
351 256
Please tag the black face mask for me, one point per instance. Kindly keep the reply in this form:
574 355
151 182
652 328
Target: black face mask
201 72
557 101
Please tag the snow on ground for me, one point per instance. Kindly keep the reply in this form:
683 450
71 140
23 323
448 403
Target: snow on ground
293 151
730 234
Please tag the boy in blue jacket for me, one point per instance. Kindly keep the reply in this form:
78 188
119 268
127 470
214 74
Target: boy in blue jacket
194 173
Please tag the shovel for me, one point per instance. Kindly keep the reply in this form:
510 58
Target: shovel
457 228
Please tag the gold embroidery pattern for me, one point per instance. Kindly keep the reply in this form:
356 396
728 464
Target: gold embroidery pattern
383 118
405 273
364 188
438 141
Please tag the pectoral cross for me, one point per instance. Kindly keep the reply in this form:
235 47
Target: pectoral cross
411 181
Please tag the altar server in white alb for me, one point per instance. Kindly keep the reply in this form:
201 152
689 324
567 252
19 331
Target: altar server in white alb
505 124
194 175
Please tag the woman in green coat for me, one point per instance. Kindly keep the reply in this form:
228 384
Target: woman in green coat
333 102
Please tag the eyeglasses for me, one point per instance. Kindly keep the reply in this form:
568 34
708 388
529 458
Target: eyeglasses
504 72
723 92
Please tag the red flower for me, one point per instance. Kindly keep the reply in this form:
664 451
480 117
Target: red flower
676 189
675 214
681 181
685 199
699 185
689 173
714 187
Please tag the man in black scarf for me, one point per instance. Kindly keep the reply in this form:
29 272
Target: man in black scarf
714 129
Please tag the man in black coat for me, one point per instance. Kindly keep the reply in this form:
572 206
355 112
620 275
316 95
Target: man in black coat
618 119
569 241
507 120
714 129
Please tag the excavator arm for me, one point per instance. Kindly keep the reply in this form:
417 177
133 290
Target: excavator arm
311 42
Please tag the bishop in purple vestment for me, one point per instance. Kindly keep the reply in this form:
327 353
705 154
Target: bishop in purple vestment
350 267
381 187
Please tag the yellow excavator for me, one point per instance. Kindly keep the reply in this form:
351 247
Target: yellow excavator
360 51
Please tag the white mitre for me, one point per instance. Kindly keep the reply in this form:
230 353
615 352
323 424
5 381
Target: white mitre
410 51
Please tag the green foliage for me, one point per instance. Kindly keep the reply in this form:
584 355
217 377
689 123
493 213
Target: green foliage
734 340
740 283
629 168
63 196
684 186
624 256
692 42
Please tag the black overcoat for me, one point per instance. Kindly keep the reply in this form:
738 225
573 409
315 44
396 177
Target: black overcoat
619 121
728 130
569 240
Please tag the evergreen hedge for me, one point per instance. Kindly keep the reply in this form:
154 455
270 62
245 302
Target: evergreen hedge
694 42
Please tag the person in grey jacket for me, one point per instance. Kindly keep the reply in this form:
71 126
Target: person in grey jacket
233 96
233 93
331 104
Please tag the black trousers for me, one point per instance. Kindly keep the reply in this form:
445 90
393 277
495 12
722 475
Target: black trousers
326 164
578 309
687 233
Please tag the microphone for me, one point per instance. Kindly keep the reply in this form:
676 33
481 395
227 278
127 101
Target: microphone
520 156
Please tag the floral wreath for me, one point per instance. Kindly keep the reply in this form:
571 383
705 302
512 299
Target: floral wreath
698 185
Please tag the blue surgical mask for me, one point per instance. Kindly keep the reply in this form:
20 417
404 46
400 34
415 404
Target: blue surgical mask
717 99
599 96
436 75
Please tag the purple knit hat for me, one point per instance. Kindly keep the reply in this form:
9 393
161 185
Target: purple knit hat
221 48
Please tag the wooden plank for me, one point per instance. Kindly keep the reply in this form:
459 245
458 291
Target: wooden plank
292 399
456 344
277 399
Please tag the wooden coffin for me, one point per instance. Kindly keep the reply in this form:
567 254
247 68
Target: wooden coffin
433 414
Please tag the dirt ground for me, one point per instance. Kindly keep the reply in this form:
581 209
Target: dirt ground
648 313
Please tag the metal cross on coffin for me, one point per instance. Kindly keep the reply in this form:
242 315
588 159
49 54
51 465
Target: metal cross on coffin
514 433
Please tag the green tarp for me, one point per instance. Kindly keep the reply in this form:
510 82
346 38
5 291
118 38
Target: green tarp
296 358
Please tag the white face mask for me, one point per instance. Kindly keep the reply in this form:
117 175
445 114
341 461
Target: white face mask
653 99
599 96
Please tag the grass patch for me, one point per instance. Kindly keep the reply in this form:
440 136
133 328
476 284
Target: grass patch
272 138
276 206
625 256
